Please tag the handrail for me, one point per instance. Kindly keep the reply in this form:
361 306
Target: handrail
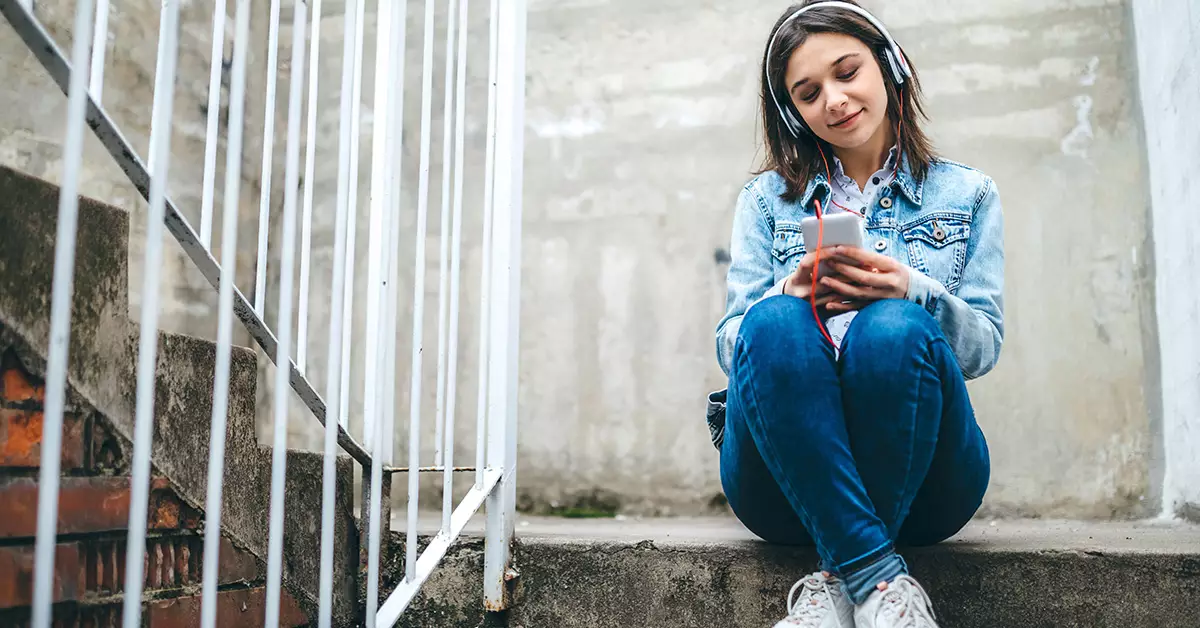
496 420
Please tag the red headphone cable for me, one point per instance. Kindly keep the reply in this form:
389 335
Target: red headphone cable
812 294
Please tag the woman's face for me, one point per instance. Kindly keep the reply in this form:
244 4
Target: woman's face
837 86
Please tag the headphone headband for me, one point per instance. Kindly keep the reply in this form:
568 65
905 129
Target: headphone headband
898 65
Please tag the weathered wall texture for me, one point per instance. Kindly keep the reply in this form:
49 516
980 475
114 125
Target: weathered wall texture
1168 43
640 132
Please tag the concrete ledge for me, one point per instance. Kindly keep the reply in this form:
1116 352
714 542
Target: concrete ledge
711 572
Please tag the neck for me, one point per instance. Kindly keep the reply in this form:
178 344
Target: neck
860 162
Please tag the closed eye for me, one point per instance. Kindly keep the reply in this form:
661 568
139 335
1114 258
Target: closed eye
811 95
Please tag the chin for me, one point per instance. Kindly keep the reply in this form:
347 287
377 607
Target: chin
849 141
844 142
855 138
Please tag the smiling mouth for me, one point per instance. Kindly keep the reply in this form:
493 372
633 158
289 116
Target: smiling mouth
846 120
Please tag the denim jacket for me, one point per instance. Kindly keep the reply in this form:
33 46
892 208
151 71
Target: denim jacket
947 228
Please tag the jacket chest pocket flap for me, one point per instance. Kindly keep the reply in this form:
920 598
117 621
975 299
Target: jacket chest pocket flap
788 245
937 246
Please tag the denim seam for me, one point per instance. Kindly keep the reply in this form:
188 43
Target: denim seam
911 441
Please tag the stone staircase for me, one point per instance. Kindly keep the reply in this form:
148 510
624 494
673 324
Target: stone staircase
94 498
677 573
101 384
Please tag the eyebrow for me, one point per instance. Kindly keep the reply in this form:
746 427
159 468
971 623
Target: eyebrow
839 60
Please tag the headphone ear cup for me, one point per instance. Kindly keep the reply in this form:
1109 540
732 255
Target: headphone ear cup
797 125
898 75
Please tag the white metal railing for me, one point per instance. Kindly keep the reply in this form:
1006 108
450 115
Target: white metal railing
82 79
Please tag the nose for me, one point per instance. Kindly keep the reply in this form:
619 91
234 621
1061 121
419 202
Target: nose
835 99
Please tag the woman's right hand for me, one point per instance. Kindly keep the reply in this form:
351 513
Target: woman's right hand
800 283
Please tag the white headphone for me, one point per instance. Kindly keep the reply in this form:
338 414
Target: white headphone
898 65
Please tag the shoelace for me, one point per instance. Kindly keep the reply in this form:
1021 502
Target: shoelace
816 601
906 605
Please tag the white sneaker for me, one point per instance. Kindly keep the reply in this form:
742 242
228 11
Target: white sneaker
819 603
899 604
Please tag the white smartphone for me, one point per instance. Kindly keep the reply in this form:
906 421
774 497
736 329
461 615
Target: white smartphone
841 229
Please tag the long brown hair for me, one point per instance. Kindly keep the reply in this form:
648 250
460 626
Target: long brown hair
799 160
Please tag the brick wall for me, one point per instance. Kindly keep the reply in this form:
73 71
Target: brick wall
93 515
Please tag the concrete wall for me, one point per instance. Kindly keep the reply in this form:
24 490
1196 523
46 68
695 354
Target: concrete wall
641 130
1168 44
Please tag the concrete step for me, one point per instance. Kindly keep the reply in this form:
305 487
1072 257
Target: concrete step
683 573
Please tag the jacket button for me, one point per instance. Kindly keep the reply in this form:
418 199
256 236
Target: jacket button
938 233
881 245
886 202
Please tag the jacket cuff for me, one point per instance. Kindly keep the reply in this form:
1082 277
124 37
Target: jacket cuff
775 291
924 290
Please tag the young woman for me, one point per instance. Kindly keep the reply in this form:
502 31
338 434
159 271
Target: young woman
847 422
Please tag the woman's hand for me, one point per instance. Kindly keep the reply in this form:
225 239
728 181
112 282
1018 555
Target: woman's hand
862 277
800 283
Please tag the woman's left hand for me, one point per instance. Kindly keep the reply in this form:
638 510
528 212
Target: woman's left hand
873 277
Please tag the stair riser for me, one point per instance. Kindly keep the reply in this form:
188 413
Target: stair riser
583 585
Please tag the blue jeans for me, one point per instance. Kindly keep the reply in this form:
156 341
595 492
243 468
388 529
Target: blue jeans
856 453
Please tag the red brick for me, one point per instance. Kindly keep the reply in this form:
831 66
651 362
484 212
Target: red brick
16 575
164 510
19 388
183 564
239 607
103 566
95 568
85 505
21 440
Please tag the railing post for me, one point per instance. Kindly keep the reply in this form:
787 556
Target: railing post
506 299
229 233
63 289
143 429
385 515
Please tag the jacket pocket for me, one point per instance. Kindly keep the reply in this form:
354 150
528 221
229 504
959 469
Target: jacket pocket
788 245
937 245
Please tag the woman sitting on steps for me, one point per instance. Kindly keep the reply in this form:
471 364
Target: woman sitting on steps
855 433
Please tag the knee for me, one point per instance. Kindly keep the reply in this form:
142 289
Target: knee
780 328
893 326
770 520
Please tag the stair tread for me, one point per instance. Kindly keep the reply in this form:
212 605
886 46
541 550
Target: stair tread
1155 536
